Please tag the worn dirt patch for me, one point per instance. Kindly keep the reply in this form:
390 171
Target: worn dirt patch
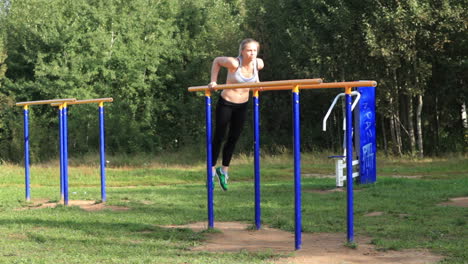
326 191
17 236
407 176
374 214
458 201
317 175
329 190
125 187
86 205
316 248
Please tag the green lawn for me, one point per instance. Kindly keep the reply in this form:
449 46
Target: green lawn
163 191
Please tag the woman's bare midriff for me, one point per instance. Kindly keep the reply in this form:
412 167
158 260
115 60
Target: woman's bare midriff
237 96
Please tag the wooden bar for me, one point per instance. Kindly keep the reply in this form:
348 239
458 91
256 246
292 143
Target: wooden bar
322 85
87 101
341 85
58 101
291 83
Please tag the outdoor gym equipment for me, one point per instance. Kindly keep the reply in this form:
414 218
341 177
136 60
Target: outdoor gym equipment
340 161
363 135
294 86
63 132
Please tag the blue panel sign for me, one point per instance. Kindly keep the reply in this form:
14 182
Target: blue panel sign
366 135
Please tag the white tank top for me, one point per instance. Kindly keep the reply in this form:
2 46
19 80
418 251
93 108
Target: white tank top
237 77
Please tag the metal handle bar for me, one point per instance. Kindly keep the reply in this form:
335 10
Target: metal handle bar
358 96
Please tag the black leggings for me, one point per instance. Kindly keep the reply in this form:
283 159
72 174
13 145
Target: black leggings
232 115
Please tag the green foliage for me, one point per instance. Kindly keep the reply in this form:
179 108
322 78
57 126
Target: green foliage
145 53
142 53
407 47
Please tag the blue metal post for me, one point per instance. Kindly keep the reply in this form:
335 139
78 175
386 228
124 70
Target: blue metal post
209 171
27 173
61 149
65 154
256 125
297 167
349 165
102 144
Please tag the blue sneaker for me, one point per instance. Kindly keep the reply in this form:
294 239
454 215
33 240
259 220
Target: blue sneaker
223 178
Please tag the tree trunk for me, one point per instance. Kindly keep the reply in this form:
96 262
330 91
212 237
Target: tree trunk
395 111
392 129
419 126
437 136
465 123
398 129
337 131
411 126
463 116
384 134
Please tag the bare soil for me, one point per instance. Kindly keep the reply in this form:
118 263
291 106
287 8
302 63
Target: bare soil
458 201
374 214
326 191
86 205
316 248
337 189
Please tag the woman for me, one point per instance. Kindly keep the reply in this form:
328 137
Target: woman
231 109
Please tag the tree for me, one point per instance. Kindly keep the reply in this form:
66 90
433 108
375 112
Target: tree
3 66
411 37
143 53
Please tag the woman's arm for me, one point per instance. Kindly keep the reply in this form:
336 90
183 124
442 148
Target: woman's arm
227 62
260 64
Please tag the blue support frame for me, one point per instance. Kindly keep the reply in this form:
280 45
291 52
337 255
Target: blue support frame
65 155
102 152
349 166
209 155
27 172
256 125
60 110
297 168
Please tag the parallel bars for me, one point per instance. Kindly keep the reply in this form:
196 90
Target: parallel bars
294 86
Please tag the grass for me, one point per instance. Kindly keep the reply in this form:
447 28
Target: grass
167 191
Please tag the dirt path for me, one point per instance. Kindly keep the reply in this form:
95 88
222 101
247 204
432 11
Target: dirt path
323 248
458 201
86 205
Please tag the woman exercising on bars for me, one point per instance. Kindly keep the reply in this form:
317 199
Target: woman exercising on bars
231 109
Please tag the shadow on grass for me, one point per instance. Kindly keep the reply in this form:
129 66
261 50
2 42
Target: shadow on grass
112 229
